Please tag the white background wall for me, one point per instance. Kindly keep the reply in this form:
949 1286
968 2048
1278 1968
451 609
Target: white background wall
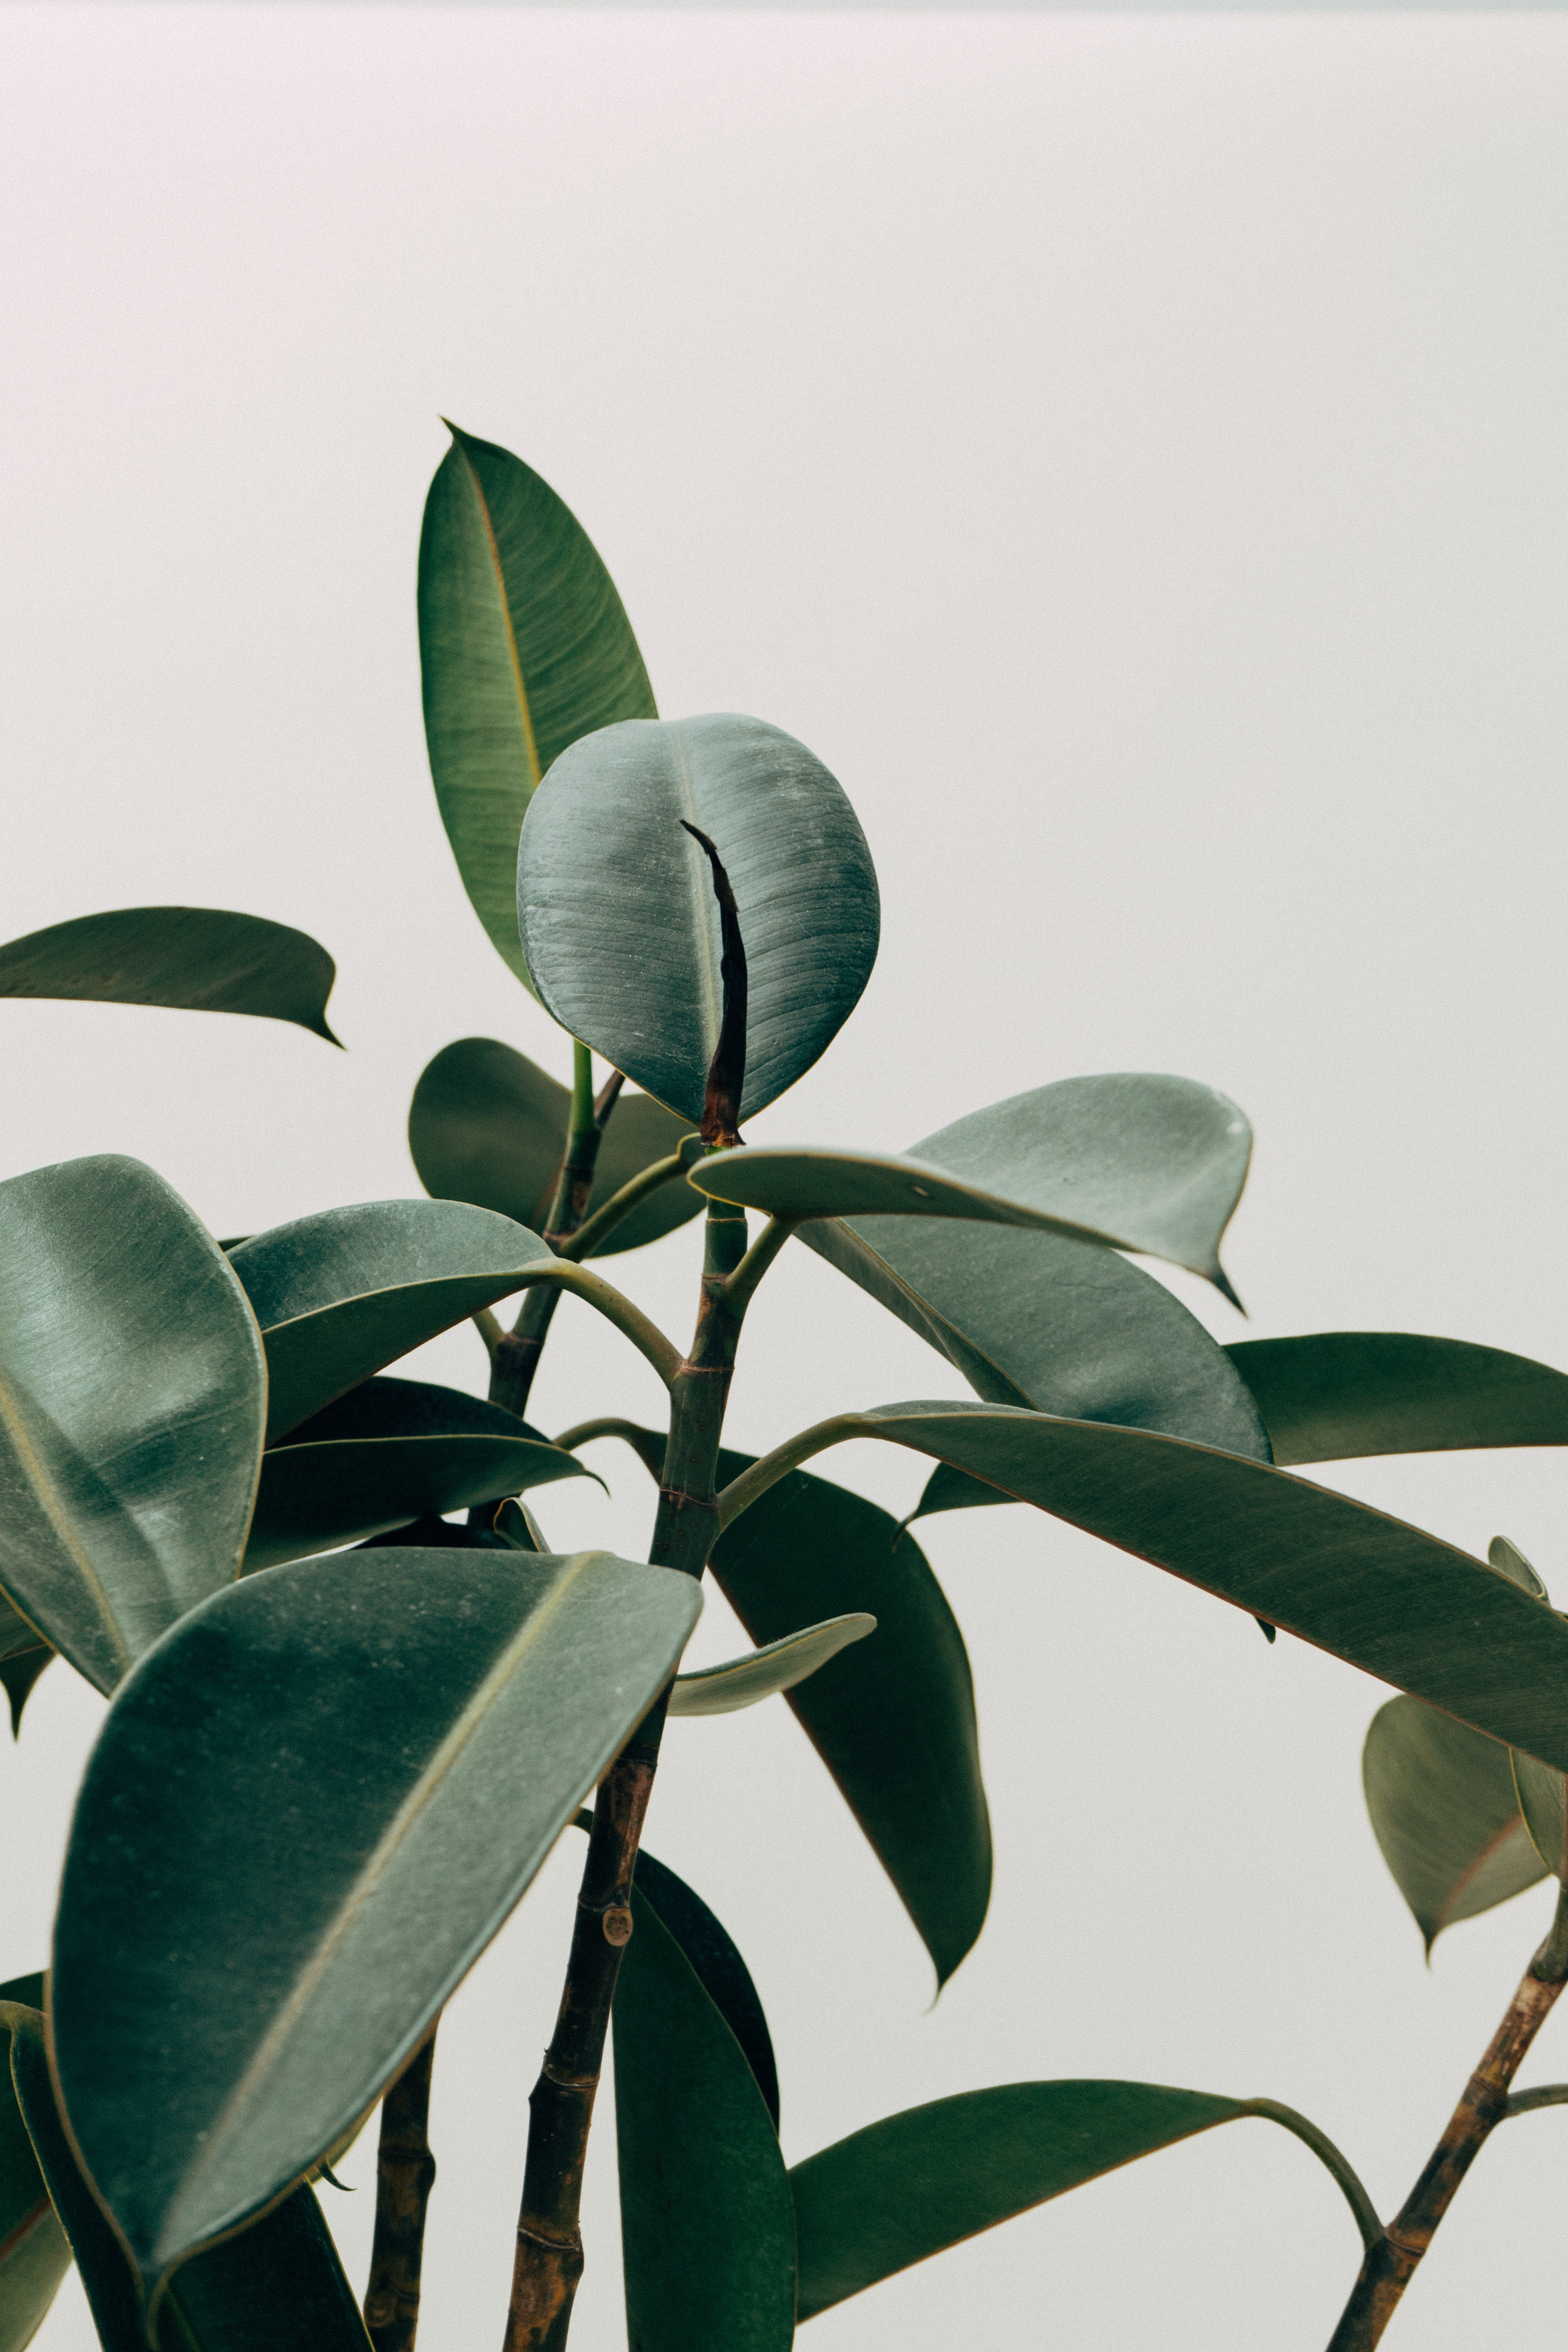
1130 451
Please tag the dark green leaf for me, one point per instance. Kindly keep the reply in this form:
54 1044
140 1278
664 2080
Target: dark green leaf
347 1769
523 647
201 958
486 1126
277 2287
1332 1396
315 1496
132 1395
621 927
340 1295
1444 1814
19 1674
706 2234
33 2255
388 1407
893 1718
1388 1597
1152 1164
1543 1802
720 1969
778 1666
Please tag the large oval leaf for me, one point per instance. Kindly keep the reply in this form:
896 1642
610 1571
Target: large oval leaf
1444 1814
1333 1396
1152 1164
313 1497
202 958
762 1674
340 1295
487 1126
523 647
277 2287
619 922
893 1719
34 2255
707 2232
1387 1597
723 1975
133 1391
347 1769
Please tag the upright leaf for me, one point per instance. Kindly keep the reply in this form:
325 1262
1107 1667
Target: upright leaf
706 2234
348 1769
1333 1396
201 958
620 926
892 1718
133 1391
1444 1815
723 1975
34 2255
487 1126
523 647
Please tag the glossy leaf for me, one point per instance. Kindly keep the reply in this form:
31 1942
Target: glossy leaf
277 2287
391 1407
1333 1396
19 1676
893 1718
1444 1814
34 2255
523 647
1509 1562
340 1295
723 1975
201 958
1543 1802
906 2188
315 1496
487 1126
778 1666
1152 1164
131 1396
707 2233
349 1769
620 926
1387 1597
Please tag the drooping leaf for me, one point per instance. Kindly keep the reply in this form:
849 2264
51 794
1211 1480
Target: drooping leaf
487 1126
1153 1164
1543 1803
906 2188
1333 1396
777 1667
523 647
1387 1597
893 1719
340 1295
202 958
1444 1814
279 2286
18 1677
391 1407
720 1969
706 2234
314 1496
1509 1562
347 1769
34 2255
131 1396
620 926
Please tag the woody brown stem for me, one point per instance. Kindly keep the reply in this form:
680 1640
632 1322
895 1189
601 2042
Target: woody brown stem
405 2175
1391 2263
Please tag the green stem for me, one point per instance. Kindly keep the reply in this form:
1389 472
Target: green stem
620 1205
1324 2148
1546 2094
582 1089
641 1441
515 1354
757 1260
769 1468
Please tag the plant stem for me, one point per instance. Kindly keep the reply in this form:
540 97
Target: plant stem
514 1356
1391 2263
620 1205
405 2175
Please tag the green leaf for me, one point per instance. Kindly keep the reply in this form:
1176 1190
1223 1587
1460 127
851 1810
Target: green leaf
201 958
777 1667
34 2255
1509 1562
1152 1164
277 2287
620 924
340 1295
1388 1597
1333 1396
315 1496
892 1719
486 1126
719 1968
390 1407
908 2186
348 1769
706 2234
132 1395
1444 1814
1543 1804
18 1676
523 647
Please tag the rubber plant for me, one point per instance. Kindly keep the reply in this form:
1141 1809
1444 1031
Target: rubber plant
348 1722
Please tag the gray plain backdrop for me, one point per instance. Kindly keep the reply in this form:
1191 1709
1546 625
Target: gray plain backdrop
1130 451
